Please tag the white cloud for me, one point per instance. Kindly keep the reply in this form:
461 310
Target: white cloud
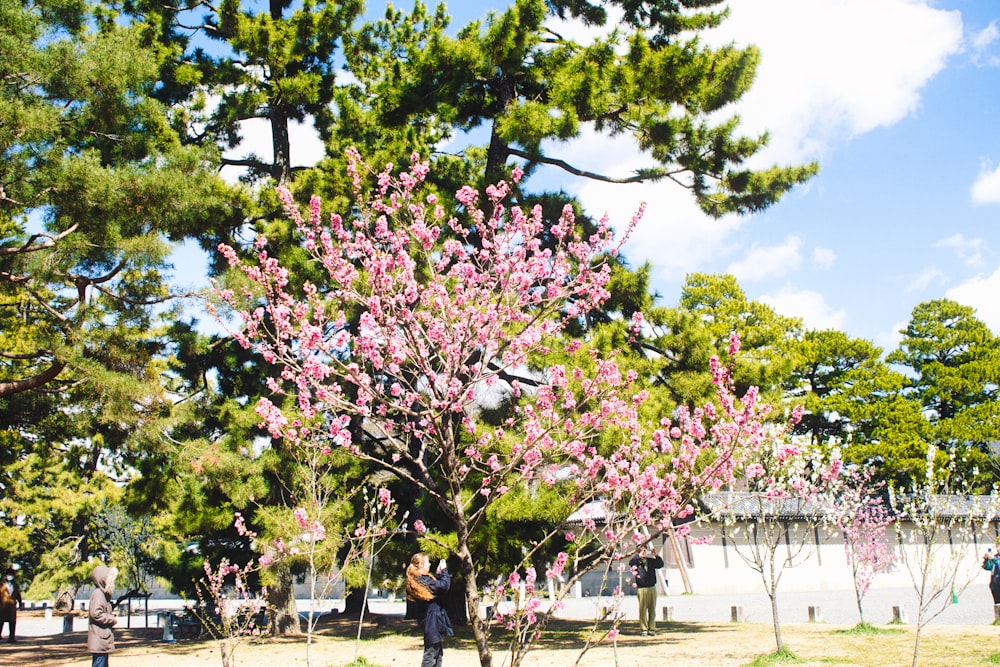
980 293
306 146
815 87
986 189
812 91
673 234
764 261
969 251
824 258
982 39
889 340
980 44
923 279
809 305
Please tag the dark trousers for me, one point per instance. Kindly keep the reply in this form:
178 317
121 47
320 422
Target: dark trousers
99 660
11 624
433 655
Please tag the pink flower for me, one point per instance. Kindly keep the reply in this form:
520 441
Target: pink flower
419 526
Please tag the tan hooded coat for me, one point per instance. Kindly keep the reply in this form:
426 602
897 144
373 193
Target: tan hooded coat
100 633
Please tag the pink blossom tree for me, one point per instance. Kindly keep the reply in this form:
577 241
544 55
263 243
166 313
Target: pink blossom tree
774 525
863 517
425 315
228 608
311 535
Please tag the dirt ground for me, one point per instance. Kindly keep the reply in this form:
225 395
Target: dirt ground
392 642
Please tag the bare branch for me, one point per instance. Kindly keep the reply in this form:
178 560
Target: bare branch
25 357
29 245
33 382
642 177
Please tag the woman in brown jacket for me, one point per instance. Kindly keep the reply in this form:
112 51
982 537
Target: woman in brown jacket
10 600
100 633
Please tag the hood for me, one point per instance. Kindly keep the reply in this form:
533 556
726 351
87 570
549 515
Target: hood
104 577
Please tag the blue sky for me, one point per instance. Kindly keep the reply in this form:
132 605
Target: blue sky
899 102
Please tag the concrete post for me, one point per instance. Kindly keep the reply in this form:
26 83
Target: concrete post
815 614
67 623
737 613
668 613
899 614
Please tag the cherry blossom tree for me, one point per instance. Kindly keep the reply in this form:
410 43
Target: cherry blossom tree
864 517
427 315
775 524
228 608
309 534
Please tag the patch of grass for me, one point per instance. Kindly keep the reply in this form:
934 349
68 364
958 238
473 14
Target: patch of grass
868 629
994 659
782 657
361 662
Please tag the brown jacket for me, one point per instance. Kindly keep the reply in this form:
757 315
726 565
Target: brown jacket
9 600
100 633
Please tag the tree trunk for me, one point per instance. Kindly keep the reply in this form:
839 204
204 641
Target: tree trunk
472 607
777 625
916 644
355 602
227 648
861 613
496 155
281 602
65 598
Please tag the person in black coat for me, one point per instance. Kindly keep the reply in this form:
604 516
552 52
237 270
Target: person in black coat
644 566
425 595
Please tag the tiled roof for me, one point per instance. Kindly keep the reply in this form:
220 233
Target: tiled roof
745 504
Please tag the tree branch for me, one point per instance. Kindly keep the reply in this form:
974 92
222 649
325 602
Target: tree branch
28 245
33 382
648 176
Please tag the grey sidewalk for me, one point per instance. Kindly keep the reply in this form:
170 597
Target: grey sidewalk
975 607
837 607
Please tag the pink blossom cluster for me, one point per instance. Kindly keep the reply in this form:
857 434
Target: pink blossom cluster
225 592
316 529
425 310
861 513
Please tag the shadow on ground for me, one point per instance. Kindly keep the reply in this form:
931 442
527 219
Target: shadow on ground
68 648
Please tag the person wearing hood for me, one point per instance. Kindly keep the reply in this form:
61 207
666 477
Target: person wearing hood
101 614
10 600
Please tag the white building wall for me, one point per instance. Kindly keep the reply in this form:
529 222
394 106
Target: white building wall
717 568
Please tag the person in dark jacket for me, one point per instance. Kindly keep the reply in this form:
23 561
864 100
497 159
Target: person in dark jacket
644 566
425 593
101 614
10 600
991 562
